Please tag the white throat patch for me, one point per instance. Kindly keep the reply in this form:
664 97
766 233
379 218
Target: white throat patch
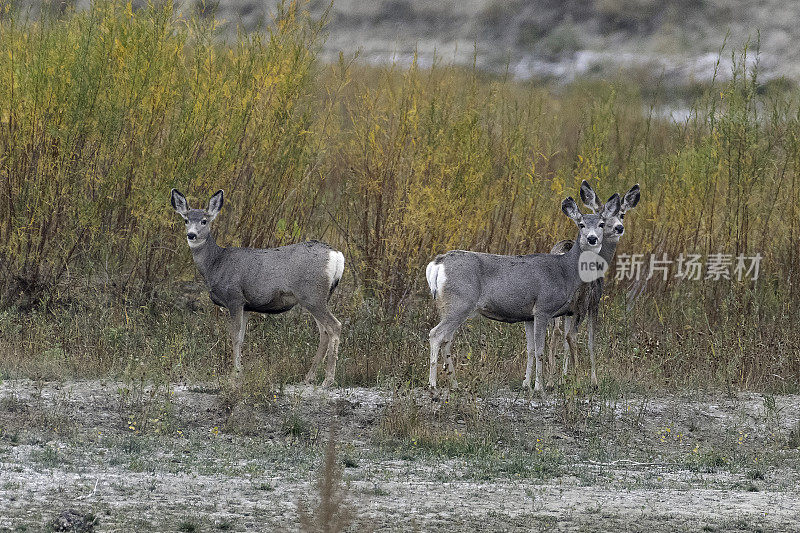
591 266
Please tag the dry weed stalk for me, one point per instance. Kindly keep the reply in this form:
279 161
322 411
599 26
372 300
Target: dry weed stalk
330 512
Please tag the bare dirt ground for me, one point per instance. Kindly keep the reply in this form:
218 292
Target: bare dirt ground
189 458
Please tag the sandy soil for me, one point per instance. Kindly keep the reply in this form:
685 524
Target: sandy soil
189 458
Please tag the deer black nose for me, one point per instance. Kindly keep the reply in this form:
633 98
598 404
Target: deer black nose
592 239
191 236
619 228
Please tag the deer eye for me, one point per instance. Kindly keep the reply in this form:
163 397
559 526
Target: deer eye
602 225
621 215
204 222
186 220
581 226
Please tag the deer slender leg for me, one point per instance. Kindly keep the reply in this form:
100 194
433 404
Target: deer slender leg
551 358
535 333
567 348
572 341
590 328
435 339
330 330
334 328
530 349
443 333
450 367
540 332
322 348
238 326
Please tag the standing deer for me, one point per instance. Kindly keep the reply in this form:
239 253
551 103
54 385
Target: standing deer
526 288
586 302
265 280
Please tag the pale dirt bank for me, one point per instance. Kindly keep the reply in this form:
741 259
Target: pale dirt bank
637 462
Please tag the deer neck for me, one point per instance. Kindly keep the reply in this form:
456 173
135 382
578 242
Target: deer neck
205 255
572 258
608 249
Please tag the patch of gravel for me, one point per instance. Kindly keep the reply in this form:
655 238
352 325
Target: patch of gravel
666 462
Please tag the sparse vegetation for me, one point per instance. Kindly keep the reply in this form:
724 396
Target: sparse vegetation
73 521
297 427
105 109
794 437
332 512
450 427
188 526
563 40
515 452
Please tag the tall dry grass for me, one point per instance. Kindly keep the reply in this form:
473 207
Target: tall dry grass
105 110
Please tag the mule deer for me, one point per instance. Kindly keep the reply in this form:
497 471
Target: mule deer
268 280
526 288
586 302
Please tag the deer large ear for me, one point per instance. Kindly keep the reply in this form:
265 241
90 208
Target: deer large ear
570 208
215 204
631 198
589 198
611 209
179 203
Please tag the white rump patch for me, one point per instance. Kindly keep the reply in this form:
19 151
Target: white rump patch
428 270
335 267
436 277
